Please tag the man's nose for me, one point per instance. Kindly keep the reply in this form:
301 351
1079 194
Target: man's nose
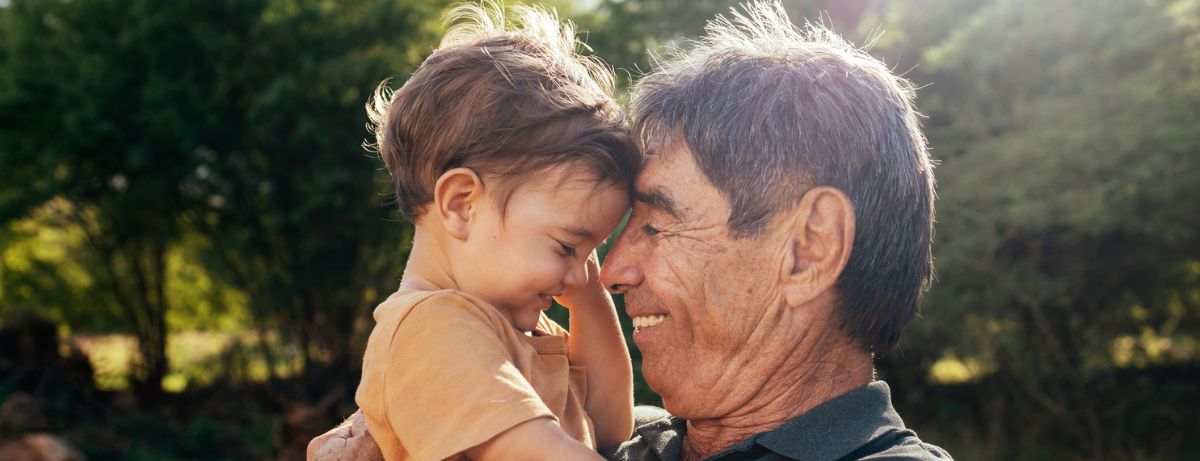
622 269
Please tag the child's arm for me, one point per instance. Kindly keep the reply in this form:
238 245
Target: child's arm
596 342
536 439
443 380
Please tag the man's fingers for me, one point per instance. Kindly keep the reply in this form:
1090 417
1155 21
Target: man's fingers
327 446
358 425
348 441
332 450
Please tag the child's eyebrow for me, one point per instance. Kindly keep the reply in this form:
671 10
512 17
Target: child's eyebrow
579 232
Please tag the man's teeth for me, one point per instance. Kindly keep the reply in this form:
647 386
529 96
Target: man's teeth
647 321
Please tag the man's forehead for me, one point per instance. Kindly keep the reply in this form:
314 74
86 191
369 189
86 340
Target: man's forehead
661 165
665 178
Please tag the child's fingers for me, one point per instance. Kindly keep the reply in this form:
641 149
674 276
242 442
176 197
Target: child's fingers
593 266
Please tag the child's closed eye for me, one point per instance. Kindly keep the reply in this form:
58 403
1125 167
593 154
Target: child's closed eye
568 250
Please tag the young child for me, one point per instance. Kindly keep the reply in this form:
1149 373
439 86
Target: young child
513 161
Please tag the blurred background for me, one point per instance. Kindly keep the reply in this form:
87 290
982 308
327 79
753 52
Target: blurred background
192 238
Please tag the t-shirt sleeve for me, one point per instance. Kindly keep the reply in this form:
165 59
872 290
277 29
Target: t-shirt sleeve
451 383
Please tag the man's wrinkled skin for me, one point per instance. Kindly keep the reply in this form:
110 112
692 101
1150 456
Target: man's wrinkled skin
347 442
740 351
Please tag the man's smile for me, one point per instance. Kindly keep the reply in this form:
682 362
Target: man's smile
645 321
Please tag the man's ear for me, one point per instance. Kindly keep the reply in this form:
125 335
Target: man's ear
455 196
821 234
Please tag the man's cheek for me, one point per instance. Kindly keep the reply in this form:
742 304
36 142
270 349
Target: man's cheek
684 259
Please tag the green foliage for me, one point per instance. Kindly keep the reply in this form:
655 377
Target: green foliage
41 274
196 165
233 128
1067 134
106 114
297 210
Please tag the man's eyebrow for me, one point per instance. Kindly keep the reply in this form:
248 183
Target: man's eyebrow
657 198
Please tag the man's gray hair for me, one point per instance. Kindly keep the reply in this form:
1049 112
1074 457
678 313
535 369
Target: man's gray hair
768 111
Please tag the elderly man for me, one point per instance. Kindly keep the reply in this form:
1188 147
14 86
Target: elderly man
780 238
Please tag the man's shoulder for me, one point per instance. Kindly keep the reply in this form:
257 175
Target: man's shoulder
636 449
659 437
902 445
658 441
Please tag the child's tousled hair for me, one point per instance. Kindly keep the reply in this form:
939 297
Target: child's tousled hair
506 97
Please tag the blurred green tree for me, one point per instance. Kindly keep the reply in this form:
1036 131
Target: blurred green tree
231 120
1068 134
302 226
104 104
629 33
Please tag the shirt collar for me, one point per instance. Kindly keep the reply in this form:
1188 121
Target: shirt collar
828 432
664 437
835 428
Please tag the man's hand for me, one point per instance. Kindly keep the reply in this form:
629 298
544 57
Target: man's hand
349 441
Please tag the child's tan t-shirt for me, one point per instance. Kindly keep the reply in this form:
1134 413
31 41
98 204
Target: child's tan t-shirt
445 371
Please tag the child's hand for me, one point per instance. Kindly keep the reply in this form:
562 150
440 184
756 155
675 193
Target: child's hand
591 292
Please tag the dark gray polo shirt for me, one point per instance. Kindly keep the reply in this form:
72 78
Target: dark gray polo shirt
860 424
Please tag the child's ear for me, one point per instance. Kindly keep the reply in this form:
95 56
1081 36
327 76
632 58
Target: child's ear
455 195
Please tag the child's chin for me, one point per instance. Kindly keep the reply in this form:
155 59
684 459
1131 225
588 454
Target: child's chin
527 325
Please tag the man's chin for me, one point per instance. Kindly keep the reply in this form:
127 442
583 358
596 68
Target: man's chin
655 377
680 394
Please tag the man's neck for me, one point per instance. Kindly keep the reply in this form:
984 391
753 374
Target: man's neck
797 386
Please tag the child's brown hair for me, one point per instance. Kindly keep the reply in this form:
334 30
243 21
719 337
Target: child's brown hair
505 97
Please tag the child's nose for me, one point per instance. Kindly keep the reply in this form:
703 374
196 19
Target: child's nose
576 275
